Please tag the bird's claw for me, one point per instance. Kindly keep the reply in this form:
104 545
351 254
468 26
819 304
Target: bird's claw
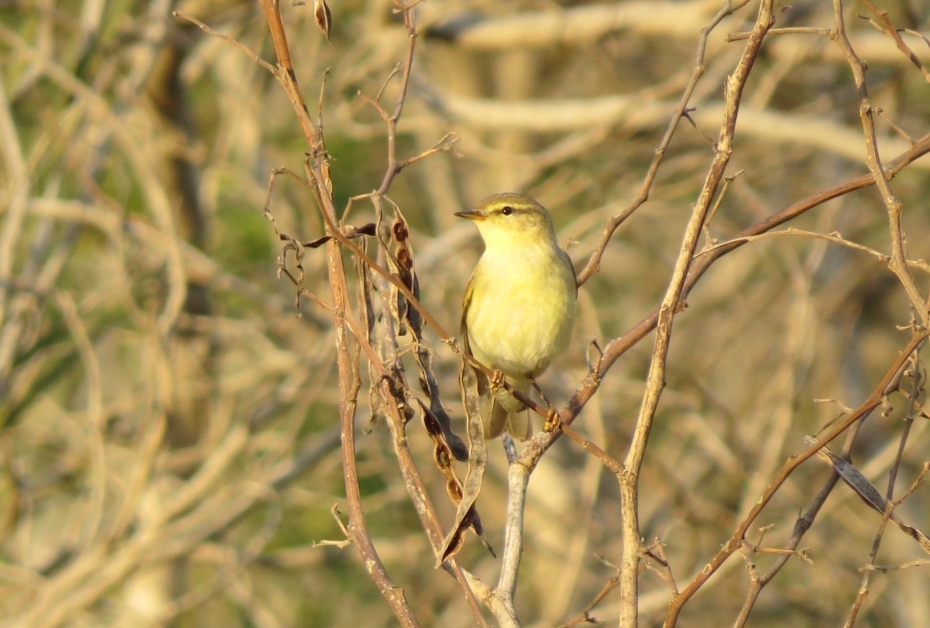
497 380
553 420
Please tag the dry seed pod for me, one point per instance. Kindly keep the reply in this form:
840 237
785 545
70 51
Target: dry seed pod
324 17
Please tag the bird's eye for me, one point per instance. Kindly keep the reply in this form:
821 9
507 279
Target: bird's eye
507 210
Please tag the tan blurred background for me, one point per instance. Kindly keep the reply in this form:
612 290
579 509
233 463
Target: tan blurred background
169 420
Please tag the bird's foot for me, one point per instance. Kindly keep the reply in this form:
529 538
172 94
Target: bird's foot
497 380
553 420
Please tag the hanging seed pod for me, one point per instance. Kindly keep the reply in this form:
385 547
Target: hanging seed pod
324 17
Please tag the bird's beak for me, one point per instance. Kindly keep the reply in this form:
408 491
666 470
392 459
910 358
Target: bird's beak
472 214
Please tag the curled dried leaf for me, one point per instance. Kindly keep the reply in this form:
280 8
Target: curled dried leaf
349 231
368 229
870 494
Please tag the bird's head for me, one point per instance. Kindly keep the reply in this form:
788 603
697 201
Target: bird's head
511 220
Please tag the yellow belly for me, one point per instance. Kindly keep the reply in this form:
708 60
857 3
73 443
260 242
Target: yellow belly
521 313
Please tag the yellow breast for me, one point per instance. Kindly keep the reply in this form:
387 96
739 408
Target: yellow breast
522 309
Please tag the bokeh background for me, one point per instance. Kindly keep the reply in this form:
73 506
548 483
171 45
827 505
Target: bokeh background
169 414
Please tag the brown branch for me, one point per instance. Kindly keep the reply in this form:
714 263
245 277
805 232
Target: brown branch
893 206
867 573
594 262
396 420
888 28
917 381
801 526
791 30
620 345
703 262
886 568
393 168
736 539
412 479
319 171
655 379
529 458
609 461
584 617
690 277
215 33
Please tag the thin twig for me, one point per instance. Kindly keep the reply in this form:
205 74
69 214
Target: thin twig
889 29
736 539
594 262
215 33
916 388
898 263
655 379
791 30
319 171
801 526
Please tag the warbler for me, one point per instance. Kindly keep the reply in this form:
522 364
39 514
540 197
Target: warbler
519 306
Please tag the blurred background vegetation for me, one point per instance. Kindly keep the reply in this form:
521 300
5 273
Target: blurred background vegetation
169 418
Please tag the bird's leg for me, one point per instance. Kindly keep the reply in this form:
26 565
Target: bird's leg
552 416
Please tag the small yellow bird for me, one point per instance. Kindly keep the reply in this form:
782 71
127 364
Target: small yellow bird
520 304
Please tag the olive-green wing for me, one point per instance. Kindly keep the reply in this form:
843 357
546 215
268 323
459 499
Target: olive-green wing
483 385
571 267
463 327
